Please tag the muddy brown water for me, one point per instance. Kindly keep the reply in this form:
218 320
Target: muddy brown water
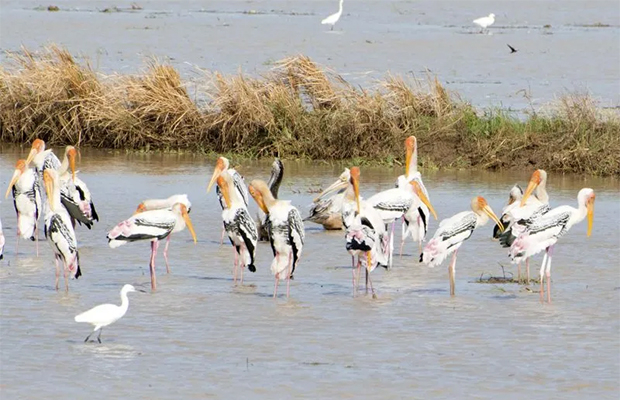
576 51
200 337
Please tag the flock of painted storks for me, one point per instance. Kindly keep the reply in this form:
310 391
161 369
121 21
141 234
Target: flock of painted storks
53 191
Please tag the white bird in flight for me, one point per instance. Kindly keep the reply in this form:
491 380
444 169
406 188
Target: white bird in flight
332 19
106 314
485 22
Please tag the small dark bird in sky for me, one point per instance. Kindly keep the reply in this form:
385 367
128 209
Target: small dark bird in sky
512 49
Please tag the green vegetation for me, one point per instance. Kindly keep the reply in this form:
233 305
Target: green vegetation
296 110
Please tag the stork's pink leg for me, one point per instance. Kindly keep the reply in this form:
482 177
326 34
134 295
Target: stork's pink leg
548 274
542 277
359 273
527 268
66 268
242 264
166 253
222 237
288 277
452 273
519 272
18 235
402 236
57 271
275 288
353 273
154 246
235 266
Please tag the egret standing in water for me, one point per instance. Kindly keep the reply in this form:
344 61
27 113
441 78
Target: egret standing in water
106 314
485 22
332 19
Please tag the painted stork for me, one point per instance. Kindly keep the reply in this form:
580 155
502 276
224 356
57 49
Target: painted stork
286 232
453 231
277 171
530 208
75 195
165 204
27 201
222 164
42 159
153 226
238 224
328 212
416 219
544 231
514 199
59 231
366 235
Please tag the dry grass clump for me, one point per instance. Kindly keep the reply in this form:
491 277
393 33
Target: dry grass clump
298 109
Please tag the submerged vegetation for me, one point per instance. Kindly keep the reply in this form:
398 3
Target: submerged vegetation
296 110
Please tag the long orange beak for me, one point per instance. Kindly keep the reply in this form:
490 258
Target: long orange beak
491 214
71 156
14 180
533 184
258 197
216 173
188 222
409 148
418 191
356 190
48 182
339 184
590 208
31 155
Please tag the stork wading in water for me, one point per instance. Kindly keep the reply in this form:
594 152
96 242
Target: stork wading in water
528 208
366 234
238 225
544 232
416 219
27 201
75 195
328 211
153 226
332 19
451 234
165 204
222 164
277 171
59 231
286 233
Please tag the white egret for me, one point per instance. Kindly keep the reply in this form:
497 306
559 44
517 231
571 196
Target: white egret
332 19
106 314
485 22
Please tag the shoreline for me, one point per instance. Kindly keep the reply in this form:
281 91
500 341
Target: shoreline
297 110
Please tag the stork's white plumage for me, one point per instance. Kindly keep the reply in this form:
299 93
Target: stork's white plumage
451 234
514 199
417 218
165 204
332 19
277 172
153 226
544 231
238 225
286 232
59 231
518 216
328 211
27 201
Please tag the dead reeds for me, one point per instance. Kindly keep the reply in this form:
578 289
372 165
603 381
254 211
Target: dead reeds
298 109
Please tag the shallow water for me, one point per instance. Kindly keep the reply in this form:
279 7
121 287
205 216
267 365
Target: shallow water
200 337
373 37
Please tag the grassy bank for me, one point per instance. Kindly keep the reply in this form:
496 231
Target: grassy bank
295 110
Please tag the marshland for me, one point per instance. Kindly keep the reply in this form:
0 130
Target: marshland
152 92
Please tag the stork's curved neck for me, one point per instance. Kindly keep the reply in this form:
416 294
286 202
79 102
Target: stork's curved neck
541 192
275 180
